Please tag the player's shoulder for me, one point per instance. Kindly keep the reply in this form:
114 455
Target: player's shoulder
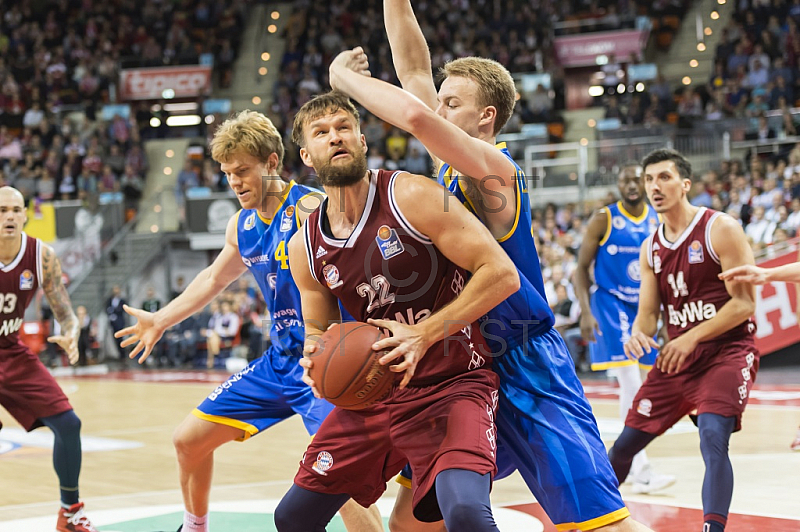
307 200
724 226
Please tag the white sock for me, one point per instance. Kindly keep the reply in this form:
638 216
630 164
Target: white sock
192 523
630 379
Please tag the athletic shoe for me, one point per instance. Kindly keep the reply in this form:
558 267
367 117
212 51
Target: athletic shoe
73 519
653 484
795 446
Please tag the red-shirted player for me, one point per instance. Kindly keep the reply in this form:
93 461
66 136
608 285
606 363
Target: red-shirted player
27 390
710 362
395 250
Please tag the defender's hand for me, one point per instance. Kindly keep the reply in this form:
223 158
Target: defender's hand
144 333
746 273
589 327
355 60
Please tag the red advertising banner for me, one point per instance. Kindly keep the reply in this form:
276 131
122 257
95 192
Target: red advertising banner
150 83
582 50
775 309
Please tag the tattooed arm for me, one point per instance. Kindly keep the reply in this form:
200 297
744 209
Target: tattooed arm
58 297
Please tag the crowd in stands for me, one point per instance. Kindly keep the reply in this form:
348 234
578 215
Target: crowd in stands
59 63
755 71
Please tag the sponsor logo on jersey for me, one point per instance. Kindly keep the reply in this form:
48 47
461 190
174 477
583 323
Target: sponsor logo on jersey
645 407
618 222
612 249
331 275
321 252
250 222
272 280
634 271
258 259
323 462
286 219
691 312
656 247
388 242
695 252
26 280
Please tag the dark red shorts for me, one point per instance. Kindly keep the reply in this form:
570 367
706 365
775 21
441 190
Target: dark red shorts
27 390
717 379
449 425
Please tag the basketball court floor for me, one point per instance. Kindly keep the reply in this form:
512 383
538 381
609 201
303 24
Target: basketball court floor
129 479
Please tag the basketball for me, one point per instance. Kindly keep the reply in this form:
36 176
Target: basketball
346 369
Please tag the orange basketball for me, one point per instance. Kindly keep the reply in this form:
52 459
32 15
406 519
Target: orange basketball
346 370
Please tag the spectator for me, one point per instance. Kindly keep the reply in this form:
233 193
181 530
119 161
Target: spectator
152 303
87 335
179 287
117 319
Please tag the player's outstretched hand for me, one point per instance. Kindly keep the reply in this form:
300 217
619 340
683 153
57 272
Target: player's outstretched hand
355 60
746 273
674 354
69 344
589 328
307 363
638 344
406 341
144 333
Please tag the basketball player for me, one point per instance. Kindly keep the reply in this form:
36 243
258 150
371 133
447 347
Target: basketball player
613 237
788 273
541 396
269 389
27 390
384 246
710 362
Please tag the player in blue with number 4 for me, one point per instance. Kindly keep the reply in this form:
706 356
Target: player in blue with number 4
546 429
270 389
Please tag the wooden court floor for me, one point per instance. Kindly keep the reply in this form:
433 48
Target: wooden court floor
128 460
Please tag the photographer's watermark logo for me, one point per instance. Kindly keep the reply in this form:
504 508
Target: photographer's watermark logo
388 242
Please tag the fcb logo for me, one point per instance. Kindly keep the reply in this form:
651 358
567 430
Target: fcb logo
26 280
286 220
695 252
388 242
331 274
250 222
323 463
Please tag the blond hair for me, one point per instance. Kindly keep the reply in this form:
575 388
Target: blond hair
247 132
495 84
321 105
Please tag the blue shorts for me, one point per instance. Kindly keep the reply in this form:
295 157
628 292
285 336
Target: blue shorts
547 431
615 319
269 390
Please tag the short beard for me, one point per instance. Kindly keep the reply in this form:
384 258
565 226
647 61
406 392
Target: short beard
636 202
331 175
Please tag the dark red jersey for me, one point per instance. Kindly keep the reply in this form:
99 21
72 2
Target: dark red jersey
19 281
387 269
687 273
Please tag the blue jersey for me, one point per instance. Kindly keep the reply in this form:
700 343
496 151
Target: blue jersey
616 267
264 246
529 303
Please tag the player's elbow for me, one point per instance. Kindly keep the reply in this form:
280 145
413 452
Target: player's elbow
417 117
507 279
747 307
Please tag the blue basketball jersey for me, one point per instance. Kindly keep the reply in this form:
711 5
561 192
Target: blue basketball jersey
616 267
529 304
264 246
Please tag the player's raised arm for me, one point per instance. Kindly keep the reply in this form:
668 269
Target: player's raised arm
469 155
410 53
750 273
149 327
595 231
319 306
466 242
645 326
57 296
